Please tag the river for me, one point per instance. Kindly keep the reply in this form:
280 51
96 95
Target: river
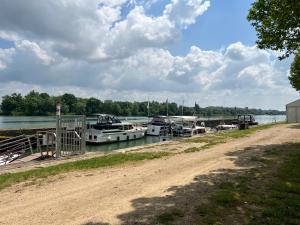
49 121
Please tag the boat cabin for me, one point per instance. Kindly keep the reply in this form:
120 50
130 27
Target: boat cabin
109 122
160 121
247 119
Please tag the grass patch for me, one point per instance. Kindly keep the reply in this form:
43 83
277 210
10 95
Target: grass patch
210 140
169 217
194 149
93 163
273 197
227 194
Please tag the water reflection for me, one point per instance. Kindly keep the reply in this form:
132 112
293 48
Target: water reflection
122 145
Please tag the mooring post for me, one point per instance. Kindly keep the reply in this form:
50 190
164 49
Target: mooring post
83 135
58 132
29 143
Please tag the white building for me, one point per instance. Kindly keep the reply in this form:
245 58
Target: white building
293 112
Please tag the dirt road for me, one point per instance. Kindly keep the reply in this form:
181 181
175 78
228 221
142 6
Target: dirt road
131 194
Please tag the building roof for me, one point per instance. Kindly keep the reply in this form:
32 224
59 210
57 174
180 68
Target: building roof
294 103
185 118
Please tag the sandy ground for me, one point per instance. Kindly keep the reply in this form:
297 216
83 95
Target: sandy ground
131 194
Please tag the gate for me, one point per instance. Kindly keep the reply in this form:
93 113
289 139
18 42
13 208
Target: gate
70 135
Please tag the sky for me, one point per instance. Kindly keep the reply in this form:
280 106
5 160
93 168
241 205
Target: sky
182 50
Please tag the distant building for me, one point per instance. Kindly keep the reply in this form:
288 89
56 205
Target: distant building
293 112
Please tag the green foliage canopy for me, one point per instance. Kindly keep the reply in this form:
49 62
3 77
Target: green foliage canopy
295 72
35 103
277 23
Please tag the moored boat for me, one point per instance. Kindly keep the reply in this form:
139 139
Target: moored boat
186 126
159 125
108 129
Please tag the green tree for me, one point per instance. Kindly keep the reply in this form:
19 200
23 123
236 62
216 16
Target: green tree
295 72
116 109
108 106
277 23
135 109
93 105
32 104
70 100
12 104
80 108
47 104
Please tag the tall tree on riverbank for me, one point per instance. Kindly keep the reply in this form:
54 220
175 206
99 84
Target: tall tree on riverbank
12 104
277 23
295 72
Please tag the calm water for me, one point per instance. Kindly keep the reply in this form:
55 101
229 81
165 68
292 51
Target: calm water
122 145
49 121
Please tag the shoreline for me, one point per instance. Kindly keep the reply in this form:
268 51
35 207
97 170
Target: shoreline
195 143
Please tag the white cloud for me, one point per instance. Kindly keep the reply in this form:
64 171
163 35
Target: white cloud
136 32
185 12
89 48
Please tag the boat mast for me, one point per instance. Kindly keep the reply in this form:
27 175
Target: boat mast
148 107
167 108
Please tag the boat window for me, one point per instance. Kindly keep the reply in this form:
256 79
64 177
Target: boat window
112 131
118 138
127 138
134 136
90 137
95 137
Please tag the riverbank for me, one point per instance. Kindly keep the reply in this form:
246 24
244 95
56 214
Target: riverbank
164 190
185 145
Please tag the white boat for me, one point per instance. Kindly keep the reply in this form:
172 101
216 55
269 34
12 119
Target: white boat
159 125
110 129
186 126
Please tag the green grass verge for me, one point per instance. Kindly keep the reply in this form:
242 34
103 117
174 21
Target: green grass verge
210 140
269 194
170 216
97 162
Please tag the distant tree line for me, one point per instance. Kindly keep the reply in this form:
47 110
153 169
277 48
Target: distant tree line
41 104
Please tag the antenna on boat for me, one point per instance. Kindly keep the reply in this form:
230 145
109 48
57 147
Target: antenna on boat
148 108
167 107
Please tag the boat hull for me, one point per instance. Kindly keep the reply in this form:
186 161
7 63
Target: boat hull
188 132
157 130
94 136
